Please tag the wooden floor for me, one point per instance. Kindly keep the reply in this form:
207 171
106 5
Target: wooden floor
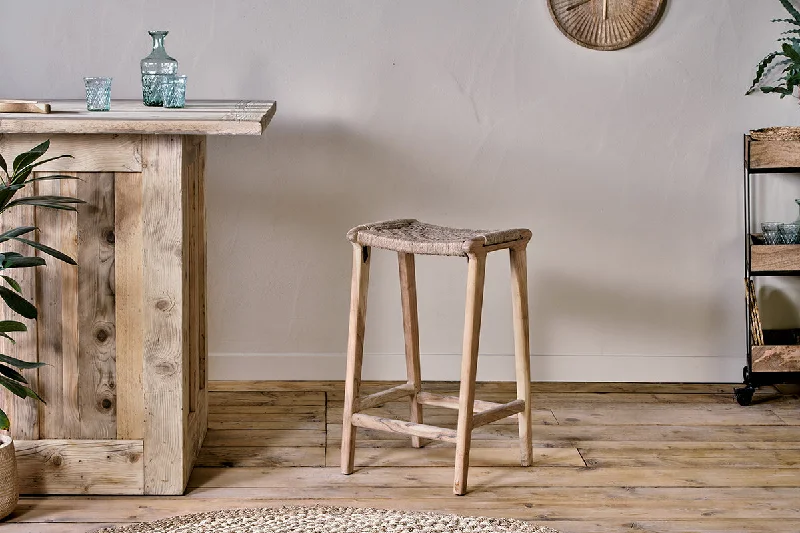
657 458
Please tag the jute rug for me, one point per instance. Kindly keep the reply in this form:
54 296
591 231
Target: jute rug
320 519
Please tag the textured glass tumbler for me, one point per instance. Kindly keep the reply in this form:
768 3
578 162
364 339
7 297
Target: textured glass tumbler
790 233
770 232
98 94
174 91
772 237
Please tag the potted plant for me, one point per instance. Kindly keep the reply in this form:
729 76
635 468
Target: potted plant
12 180
787 58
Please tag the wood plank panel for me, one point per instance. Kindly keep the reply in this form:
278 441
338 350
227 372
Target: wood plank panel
162 381
574 435
57 299
128 292
496 476
95 153
775 258
193 166
266 398
55 466
670 415
549 503
263 437
691 458
97 395
774 154
23 413
218 117
445 457
439 415
776 358
336 388
262 456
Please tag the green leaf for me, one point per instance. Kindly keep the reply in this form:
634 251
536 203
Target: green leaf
22 262
3 164
15 388
13 361
12 374
52 177
17 303
762 67
7 326
780 90
8 337
26 158
5 423
16 232
19 390
790 52
46 249
787 4
787 21
43 161
12 282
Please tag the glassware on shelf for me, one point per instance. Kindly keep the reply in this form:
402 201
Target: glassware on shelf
98 94
770 232
155 67
174 91
789 233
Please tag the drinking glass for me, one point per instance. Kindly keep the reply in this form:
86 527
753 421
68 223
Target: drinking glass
98 94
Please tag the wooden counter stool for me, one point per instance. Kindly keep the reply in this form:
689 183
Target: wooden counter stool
408 237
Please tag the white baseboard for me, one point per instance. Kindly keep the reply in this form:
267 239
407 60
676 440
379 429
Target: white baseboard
445 367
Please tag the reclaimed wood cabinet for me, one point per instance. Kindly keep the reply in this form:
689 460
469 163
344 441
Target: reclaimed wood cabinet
124 332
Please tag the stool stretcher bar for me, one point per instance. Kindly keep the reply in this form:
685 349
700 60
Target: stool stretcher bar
451 402
389 395
406 428
496 413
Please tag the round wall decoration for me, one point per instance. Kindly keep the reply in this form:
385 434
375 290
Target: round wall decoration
606 24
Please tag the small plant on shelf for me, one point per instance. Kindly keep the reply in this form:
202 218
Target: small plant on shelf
787 59
12 180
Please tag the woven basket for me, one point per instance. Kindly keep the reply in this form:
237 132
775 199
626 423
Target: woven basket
9 483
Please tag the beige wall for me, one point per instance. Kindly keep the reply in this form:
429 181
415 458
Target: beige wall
626 165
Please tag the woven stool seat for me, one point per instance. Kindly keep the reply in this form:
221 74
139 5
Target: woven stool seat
414 237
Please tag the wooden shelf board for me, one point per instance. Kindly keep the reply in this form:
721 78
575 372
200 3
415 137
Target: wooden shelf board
776 358
773 258
774 155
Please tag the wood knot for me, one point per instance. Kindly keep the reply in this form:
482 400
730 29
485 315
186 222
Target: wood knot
110 237
101 335
165 369
163 304
106 403
56 460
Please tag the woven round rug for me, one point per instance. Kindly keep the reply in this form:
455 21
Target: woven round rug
319 519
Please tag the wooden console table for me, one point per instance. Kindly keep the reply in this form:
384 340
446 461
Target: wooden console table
124 333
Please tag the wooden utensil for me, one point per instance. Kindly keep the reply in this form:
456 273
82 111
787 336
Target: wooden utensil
23 106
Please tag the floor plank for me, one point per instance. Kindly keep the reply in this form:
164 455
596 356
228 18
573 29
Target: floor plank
609 457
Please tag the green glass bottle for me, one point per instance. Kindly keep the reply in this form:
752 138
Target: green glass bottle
154 67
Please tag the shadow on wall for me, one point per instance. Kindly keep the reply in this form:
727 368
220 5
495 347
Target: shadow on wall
281 204
777 310
673 322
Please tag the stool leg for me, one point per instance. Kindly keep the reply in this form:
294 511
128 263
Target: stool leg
469 367
408 297
519 297
355 352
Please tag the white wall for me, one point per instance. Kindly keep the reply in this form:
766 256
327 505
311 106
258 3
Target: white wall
626 165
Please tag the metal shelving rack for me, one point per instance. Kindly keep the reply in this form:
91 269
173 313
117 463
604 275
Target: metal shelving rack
770 363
